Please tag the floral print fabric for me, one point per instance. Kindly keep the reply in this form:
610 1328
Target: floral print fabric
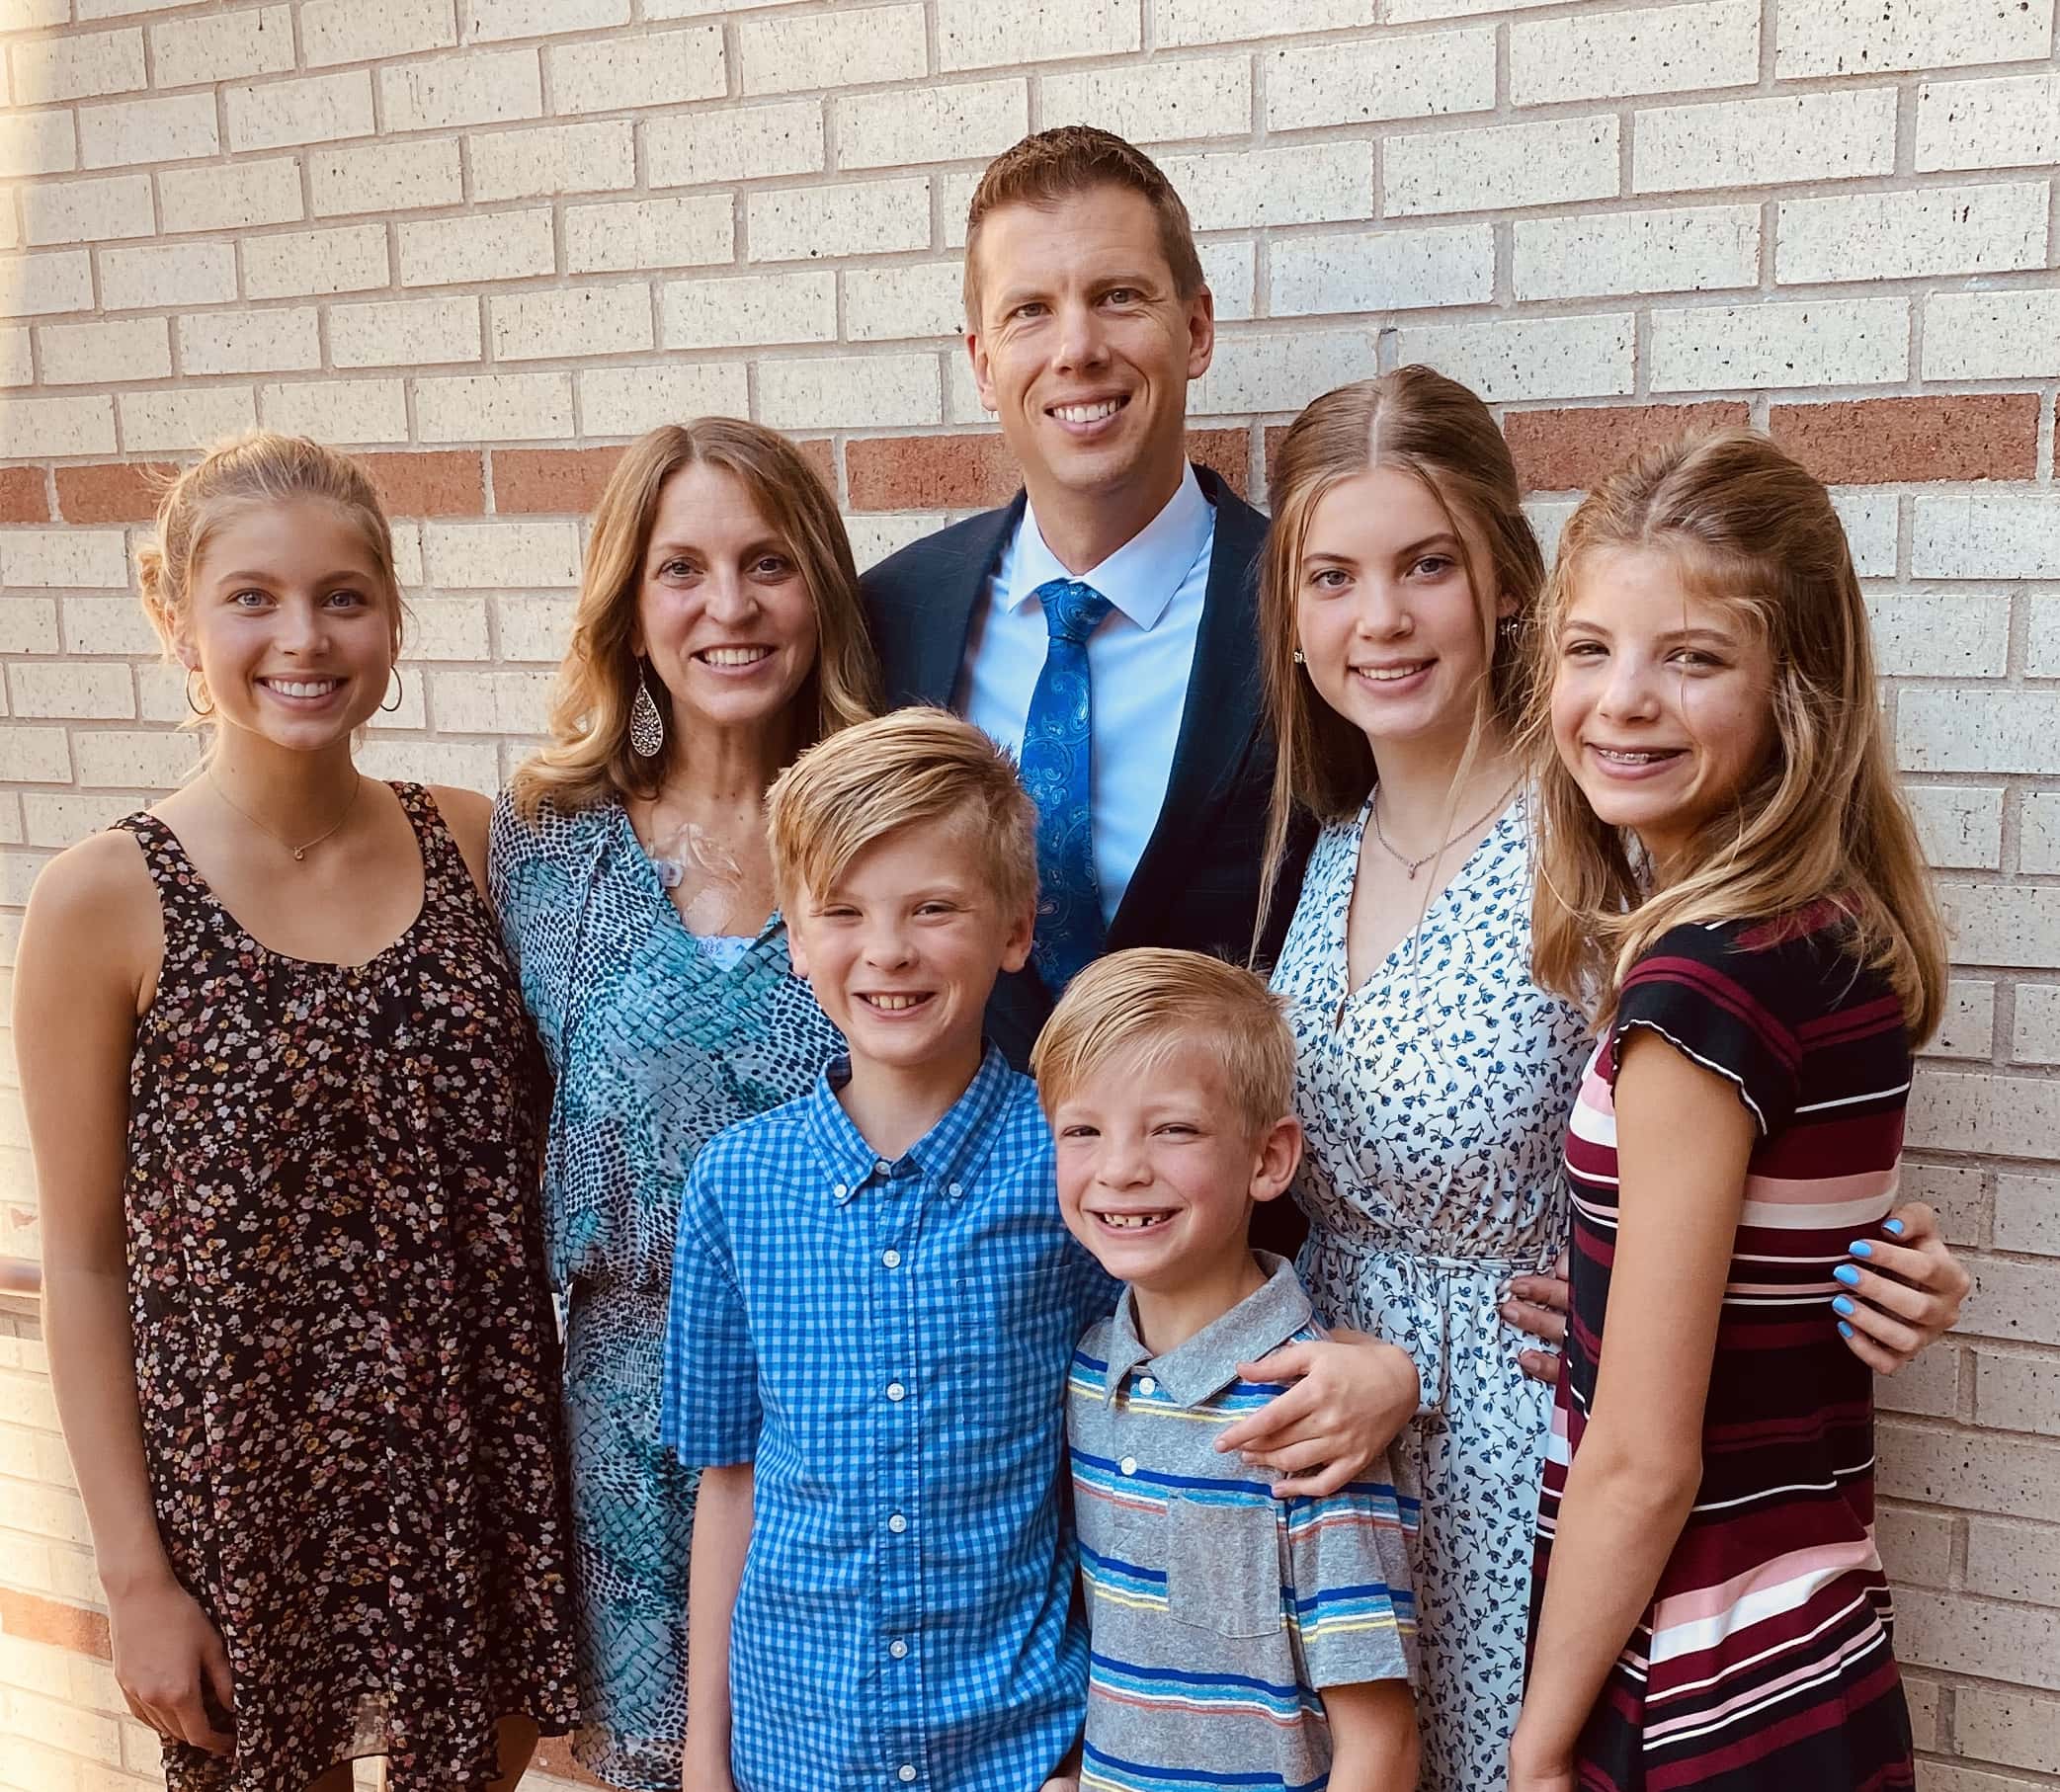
1433 1098
345 1352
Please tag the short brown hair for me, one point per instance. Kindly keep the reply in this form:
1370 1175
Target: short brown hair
1054 165
901 771
1152 1000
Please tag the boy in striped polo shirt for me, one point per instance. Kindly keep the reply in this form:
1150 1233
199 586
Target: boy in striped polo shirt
1236 1637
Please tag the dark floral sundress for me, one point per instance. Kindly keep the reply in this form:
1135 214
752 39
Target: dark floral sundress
345 1357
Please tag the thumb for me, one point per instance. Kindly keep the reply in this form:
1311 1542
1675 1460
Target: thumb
221 1679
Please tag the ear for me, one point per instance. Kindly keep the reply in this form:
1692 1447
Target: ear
1201 332
1280 1156
983 373
796 942
1022 929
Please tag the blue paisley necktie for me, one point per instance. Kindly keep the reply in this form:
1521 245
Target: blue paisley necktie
1057 759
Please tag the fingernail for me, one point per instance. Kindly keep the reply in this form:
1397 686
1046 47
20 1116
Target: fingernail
1844 1331
1894 1226
1846 1274
1841 1305
1860 1248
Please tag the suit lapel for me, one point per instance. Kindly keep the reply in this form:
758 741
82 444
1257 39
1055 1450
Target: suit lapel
945 613
1218 719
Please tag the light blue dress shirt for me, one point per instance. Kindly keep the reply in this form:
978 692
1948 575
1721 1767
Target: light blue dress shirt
1140 660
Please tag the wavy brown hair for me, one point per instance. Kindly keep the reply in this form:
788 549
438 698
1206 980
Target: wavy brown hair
1436 429
1822 818
588 757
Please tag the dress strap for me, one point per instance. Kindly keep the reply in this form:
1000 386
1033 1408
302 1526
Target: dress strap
447 881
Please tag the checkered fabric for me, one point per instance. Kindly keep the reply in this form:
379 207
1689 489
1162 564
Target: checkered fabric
888 1342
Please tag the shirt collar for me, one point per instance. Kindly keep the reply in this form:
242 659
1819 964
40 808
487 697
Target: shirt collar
1207 1362
1141 576
947 1154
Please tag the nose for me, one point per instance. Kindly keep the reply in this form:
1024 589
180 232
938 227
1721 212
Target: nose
728 597
1383 610
1123 1163
1627 694
886 944
1081 343
303 627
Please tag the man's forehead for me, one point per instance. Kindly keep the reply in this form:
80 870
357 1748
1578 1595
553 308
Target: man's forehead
1101 230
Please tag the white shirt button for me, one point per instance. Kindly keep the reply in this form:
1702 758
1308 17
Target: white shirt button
954 1188
881 1167
1146 1385
898 1525
1129 1465
839 1191
895 1390
905 1773
892 1258
898 1649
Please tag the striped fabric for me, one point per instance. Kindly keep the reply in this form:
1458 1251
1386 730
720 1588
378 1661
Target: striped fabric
1764 1663
1217 1613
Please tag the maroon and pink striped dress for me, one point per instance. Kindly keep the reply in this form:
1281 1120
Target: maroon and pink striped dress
1763 1661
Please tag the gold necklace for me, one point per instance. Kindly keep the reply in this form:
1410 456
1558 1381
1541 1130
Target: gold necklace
1411 867
301 851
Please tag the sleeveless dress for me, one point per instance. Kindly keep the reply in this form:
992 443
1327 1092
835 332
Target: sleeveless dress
1763 1661
1433 1098
345 1355
657 1038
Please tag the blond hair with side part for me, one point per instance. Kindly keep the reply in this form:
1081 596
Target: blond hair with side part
895 773
1137 1008
1823 818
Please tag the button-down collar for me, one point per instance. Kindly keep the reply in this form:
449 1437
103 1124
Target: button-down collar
948 1153
1141 576
1207 1362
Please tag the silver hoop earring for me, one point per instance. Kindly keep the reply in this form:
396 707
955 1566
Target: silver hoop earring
646 725
190 671
401 694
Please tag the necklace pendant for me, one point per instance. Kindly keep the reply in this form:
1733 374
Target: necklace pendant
1411 870
300 852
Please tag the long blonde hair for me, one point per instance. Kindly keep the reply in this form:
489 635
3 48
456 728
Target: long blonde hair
588 757
1421 423
1822 818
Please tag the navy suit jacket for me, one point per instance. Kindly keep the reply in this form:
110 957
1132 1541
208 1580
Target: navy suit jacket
1198 883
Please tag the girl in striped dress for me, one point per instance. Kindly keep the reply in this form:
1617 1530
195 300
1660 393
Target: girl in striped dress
1729 876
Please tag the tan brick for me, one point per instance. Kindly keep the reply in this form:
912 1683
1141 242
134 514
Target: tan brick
2013 1117
2013 122
1974 1471
833 49
69 557
1863 37
235 196
468 767
369 30
249 341
651 68
39 143
2007 536
87 689
1385 269
2028 1214
901 301
1871 524
385 177
2002 1724
2036 1036
1961 825
56 427
169 274
105 626
316 109
1158 102
1183 21
2010 1643
342 411
1415 76
2039 846
2017 1392
752 141
50 820
1951 632
1904 235
501 555
47 70
1308 184
296 264
598 157
2007 335
1929 1386
490 702
448 628
35 754
1916 1545
1825 342
1679 48
989 34
1276 371
409 332
472 87
489 21
873 391
1697 249
17 360
1814 137
1494 167
571 321
491 245
186 419
1528 358
494 407
2013 1300
858 218
40 285
103 354
80 211
232 46
129 131
626 401
632 235
947 124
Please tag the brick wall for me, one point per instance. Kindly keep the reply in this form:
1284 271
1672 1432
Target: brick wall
483 242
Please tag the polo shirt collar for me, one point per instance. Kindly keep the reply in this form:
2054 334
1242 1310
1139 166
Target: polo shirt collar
1141 576
1207 1362
947 1154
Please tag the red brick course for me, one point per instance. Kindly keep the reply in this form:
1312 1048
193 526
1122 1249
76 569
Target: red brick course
112 491
438 483
1564 450
561 481
975 471
38 1620
23 498
1875 440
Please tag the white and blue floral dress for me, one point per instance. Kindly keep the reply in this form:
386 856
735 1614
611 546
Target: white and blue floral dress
1433 1098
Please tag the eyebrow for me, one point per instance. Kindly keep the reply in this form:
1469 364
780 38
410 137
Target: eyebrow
1669 636
695 548
1443 538
264 578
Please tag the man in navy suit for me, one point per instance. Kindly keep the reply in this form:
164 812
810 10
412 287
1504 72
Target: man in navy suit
1102 625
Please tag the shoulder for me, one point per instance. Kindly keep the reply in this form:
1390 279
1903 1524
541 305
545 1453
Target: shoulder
904 575
467 814
548 836
1777 964
760 1140
93 911
1240 528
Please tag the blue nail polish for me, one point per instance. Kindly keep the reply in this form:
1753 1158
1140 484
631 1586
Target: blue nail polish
1860 1248
1844 1331
1846 1274
1843 1305
1894 1227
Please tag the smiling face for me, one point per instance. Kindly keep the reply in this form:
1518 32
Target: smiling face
1158 1169
1390 627
290 623
1661 698
903 950
1083 348
723 613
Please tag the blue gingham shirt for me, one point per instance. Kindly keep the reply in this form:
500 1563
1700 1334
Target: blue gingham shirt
887 1343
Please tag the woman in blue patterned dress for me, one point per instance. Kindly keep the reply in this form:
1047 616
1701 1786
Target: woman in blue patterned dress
1434 1074
717 633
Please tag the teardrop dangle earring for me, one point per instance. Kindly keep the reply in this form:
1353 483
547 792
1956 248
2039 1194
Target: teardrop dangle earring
646 725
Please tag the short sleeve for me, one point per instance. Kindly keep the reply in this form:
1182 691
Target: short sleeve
708 1409
1725 1005
1355 1606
